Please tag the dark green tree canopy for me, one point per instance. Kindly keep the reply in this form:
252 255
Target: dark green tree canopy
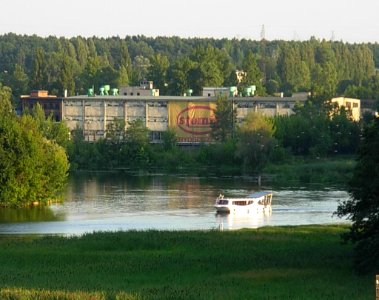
75 64
363 207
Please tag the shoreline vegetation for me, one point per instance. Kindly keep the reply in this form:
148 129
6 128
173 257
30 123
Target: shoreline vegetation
293 262
297 170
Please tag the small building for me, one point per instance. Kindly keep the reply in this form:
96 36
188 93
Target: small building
52 105
351 104
145 88
220 91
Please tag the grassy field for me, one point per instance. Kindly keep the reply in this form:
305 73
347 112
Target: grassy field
305 262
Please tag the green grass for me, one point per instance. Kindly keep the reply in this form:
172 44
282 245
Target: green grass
306 262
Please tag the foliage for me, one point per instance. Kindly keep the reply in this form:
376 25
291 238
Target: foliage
50 129
183 265
317 129
158 72
363 207
178 64
33 168
225 120
169 140
254 75
255 141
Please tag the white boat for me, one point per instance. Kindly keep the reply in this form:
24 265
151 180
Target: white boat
259 201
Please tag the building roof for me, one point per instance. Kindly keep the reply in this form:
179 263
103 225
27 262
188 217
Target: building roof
183 98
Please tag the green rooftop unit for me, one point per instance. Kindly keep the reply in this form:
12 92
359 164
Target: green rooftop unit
232 91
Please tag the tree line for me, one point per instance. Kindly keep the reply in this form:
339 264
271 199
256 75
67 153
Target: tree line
179 64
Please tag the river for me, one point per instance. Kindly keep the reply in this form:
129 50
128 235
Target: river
115 201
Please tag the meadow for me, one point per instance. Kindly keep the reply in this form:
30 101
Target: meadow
301 262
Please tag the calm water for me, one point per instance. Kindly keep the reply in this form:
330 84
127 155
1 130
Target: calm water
106 202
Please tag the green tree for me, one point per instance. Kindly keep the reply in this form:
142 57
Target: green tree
225 120
125 59
179 74
254 75
37 76
207 70
141 67
66 77
363 206
50 129
19 81
363 63
255 142
137 147
169 139
5 101
345 133
33 168
158 72
122 77
81 51
324 81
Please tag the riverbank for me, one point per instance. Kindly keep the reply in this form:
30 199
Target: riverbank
296 170
334 170
303 262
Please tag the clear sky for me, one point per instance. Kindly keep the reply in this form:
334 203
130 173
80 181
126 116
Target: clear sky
346 20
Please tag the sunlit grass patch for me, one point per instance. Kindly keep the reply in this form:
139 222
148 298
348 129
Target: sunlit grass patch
292 262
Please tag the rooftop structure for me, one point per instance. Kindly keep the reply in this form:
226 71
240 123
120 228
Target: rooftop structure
52 105
144 89
353 105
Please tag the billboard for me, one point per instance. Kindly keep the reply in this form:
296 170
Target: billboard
191 121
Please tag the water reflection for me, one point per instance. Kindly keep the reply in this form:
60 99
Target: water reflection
32 214
243 219
121 202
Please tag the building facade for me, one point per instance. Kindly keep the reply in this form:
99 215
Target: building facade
52 105
351 104
189 117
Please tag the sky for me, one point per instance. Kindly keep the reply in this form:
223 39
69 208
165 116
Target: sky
352 21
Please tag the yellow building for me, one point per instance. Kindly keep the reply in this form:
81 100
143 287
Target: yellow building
351 104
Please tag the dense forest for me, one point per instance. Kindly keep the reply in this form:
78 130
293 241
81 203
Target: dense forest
177 64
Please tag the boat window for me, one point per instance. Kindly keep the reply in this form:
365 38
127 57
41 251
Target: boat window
239 202
222 202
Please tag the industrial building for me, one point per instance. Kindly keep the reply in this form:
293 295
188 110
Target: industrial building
189 116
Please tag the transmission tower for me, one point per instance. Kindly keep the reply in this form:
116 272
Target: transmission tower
263 32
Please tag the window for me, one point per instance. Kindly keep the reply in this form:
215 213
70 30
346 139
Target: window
222 202
131 94
355 104
138 94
